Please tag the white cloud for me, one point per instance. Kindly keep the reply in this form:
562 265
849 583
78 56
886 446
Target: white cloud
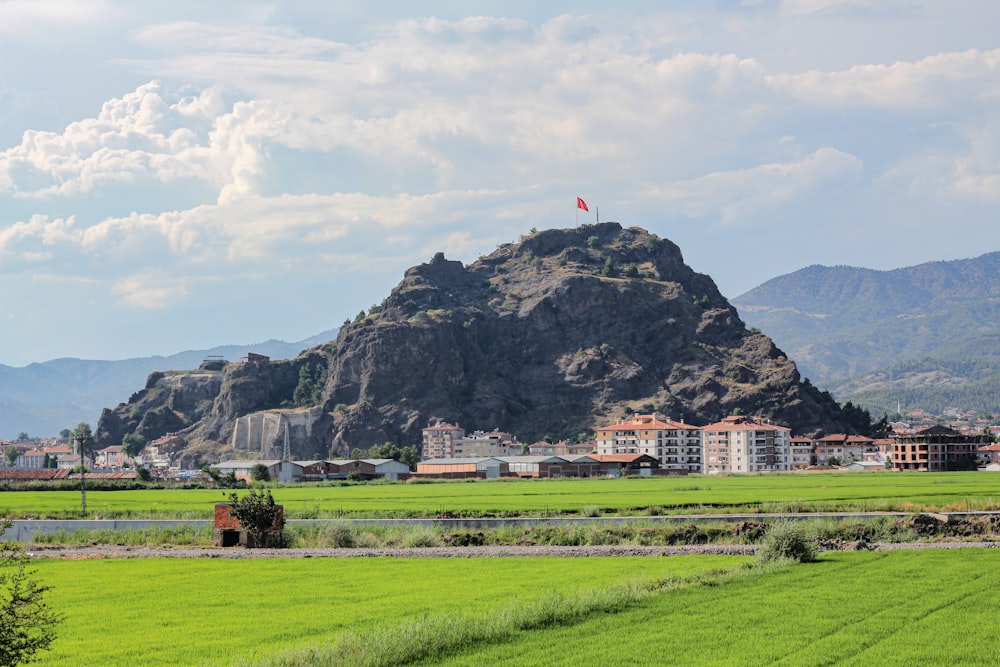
735 196
17 16
151 290
935 82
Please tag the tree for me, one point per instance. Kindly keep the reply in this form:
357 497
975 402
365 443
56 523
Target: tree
11 455
27 624
356 453
410 455
133 444
386 450
23 435
65 434
143 474
46 460
259 473
257 515
84 440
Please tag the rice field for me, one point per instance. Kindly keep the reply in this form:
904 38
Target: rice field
766 493
850 608
216 612
857 609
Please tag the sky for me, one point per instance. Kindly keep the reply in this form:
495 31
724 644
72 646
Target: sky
179 175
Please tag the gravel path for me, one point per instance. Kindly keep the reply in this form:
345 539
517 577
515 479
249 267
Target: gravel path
111 551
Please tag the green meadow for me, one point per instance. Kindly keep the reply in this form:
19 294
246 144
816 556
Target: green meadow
850 608
786 492
857 609
214 611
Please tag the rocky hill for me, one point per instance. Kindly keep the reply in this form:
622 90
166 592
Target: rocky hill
888 336
44 398
554 335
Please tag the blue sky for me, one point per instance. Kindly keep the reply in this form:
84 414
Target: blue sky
186 174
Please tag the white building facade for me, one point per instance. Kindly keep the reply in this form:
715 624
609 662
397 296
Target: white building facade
745 444
677 446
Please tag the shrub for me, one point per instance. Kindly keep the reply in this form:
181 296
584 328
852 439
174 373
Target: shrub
590 511
421 537
338 535
257 514
786 540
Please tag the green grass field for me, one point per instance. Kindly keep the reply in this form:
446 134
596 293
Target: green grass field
793 492
212 612
859 608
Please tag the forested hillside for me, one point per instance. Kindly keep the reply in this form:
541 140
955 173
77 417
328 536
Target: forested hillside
923 336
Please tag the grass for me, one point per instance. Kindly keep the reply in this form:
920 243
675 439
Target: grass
212 612
759 493
849 608
859 608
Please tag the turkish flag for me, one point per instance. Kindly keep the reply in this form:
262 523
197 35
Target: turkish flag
582 204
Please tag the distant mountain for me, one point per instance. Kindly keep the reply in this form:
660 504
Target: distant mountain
928 333
44 398
554 335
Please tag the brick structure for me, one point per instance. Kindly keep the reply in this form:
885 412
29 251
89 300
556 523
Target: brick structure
229 533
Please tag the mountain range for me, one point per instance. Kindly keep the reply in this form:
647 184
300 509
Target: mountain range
924 336
43 398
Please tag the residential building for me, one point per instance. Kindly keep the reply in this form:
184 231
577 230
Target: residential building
564 448
110 457
675 445
803 453
935 449
746 444
482 444
439 441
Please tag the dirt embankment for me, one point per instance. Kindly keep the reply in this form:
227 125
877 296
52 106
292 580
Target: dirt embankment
112 551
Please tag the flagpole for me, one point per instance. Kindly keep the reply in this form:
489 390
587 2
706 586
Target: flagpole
597 212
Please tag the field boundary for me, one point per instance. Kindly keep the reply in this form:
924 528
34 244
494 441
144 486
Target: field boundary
24 530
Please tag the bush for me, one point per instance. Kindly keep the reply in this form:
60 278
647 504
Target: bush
786 540
338 535
257 514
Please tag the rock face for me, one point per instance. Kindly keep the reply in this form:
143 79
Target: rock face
555 335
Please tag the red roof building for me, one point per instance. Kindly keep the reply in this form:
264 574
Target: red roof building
676 445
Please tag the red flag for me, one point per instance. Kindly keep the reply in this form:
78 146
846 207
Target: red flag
582 204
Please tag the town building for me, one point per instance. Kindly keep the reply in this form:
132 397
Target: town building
439 441
110 457
483 444
563 448
479 468
745 444
277 471
935 449
803 453
676 445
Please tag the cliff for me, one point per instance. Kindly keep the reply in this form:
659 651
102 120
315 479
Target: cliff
555 335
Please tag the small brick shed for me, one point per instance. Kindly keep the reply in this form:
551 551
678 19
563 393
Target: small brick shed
229 533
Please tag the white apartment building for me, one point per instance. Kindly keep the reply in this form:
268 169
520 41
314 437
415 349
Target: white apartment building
675 444
745 444
439 441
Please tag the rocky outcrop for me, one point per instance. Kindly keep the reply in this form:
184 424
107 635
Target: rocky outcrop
554 335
